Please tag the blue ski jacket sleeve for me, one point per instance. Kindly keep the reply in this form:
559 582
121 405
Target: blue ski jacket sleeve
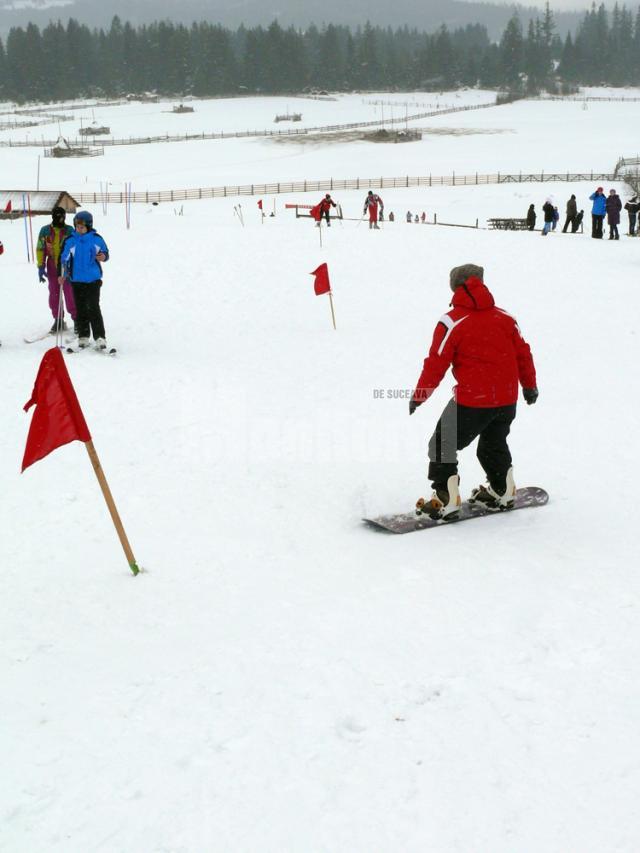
78 257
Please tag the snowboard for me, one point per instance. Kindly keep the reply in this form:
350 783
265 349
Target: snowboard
408 522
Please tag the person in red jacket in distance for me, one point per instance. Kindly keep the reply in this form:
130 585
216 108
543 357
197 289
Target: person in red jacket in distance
490 360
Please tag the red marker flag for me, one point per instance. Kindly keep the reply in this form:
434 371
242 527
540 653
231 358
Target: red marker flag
58 418
321 284
260 204
315 212
8 207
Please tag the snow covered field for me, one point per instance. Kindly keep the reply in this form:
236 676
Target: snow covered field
281 678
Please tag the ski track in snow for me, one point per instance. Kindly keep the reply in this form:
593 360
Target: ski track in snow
280 678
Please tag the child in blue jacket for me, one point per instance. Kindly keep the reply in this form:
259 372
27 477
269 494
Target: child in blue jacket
80 262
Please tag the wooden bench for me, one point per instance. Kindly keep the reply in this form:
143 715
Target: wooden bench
508 224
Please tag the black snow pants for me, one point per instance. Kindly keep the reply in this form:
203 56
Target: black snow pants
596 226
458 427
89 315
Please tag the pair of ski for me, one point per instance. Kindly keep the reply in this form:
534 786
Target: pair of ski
103 351
68 345
408 522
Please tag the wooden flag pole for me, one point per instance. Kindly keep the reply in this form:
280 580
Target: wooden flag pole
333 313
106 491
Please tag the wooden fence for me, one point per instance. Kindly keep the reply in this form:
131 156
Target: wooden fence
241 134
335 184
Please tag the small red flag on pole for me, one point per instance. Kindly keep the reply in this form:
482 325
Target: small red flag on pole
58 420
8 207
321 285
260 203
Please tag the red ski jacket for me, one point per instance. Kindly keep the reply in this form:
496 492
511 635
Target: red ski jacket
485 349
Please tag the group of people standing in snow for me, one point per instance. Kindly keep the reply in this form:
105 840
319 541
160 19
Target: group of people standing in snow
70 261
601 206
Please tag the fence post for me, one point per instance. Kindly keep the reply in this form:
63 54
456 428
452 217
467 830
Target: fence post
476 223
476 184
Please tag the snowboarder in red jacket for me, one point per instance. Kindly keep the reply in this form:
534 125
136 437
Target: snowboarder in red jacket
490 361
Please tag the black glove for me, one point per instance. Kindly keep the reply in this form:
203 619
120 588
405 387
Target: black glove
41 275
530 395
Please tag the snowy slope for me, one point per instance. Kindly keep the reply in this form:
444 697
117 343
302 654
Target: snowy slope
281 678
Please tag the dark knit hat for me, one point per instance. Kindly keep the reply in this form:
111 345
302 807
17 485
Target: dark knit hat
459 275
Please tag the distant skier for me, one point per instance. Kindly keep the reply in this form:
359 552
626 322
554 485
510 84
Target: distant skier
490 359
598 210
50 241
632 207
547 209
392 217
423 217
572 212
409 216
577 222
80 263
372 203
614 206
531 218
325 208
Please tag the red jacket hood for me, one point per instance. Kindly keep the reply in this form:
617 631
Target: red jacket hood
473 294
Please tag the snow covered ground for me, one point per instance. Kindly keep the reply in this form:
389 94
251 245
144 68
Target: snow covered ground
281 678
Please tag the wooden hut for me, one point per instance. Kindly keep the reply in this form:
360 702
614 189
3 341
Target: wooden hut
63 148
40 202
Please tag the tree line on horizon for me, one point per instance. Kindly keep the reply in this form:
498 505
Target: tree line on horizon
69 61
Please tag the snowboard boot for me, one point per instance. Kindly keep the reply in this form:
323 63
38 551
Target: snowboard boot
444 503
83 343
492 500
101 343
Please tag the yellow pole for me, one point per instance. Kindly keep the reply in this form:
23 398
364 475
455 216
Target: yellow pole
115 517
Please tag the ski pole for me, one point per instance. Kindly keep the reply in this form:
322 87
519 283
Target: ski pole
60 313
